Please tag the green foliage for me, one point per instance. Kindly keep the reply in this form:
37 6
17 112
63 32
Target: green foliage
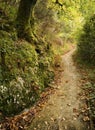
18 75
25 69
9 8
23 76
46 70
86 43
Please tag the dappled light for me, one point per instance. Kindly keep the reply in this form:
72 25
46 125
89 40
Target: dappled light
47 65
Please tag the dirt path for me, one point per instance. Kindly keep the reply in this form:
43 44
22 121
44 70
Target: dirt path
63 110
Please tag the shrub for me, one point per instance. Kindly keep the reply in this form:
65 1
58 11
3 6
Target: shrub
86 43
18 77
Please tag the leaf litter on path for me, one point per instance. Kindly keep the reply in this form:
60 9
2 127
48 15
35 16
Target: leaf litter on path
67 110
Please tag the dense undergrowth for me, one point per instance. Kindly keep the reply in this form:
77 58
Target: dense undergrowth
24 75
88 85
25 69
85 58
86 41
90 88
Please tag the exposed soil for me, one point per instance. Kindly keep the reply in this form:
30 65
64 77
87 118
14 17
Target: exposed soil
66 109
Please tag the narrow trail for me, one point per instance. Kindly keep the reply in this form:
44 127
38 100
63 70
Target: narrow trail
63 110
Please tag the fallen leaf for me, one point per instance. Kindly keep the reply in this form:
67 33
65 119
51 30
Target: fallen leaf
65 127
69 105
66 81
63 119
75 110
74 118
25 117
46 122
52 119
38 126
86 118
83 111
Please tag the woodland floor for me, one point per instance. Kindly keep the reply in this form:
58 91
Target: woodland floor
66 109
61 108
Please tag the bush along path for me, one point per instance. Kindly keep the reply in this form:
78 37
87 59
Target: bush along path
66 109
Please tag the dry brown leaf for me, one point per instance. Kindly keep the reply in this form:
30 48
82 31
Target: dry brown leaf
86 118
65 127
52 119
75 110
66 81
69 105
74 118
83 111
63 119
46 122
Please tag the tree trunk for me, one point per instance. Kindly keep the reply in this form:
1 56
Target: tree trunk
24 17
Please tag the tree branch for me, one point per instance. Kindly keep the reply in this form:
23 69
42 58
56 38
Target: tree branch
57 2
